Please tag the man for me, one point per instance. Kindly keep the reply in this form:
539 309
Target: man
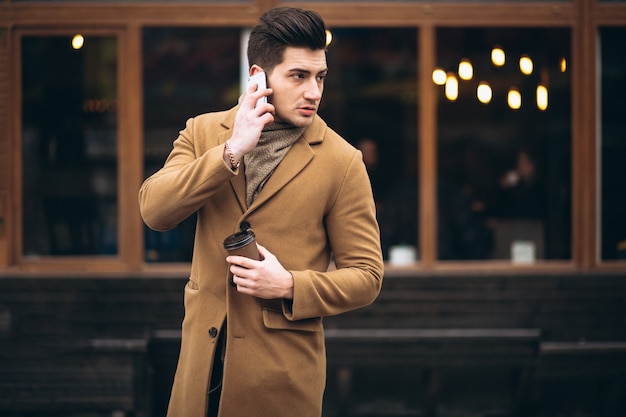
257 348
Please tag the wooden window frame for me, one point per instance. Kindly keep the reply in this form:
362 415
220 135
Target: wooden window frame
127 20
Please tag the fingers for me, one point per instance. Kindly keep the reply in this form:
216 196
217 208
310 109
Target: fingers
241 261
263 251
253 95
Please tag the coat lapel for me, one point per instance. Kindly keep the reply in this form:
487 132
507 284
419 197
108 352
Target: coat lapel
296 159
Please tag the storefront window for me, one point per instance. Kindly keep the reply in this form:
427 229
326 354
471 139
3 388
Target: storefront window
69 144
187 71
370 98
504 144
613 147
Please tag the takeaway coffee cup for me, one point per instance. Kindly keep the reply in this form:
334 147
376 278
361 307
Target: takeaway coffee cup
242 244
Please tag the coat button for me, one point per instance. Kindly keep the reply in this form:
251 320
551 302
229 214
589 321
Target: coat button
212 332
244 226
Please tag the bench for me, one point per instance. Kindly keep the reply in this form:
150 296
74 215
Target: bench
595 369
581 359
443 325
433 351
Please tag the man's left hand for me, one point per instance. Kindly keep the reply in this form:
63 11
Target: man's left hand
266 279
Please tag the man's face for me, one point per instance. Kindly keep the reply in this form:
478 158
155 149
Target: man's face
297 84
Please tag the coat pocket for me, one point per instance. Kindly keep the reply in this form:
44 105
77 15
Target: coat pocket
277 321
192 286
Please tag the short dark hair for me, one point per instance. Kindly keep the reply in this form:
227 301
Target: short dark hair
281 27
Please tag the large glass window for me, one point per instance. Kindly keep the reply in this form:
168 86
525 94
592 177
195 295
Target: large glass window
504 144
187 71
613 145
370 98
69 144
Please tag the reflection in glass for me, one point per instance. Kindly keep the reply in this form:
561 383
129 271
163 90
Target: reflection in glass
504 175
187 71
69 140
370 98
613 145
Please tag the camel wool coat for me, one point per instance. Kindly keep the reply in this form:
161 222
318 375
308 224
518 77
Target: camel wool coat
317 207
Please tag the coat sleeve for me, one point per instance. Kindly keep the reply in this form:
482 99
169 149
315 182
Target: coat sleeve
354 237
193 171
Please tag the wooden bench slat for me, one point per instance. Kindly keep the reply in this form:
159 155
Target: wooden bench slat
391 335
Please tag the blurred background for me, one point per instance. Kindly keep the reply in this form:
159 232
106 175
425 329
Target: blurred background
491 133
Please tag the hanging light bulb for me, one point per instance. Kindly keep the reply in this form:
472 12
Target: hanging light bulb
514 98
329 37
78 41
563 64
439 76
498 58
452 87
542 97
526 65
466 70
484 93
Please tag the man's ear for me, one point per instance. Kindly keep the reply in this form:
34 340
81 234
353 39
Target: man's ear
254 69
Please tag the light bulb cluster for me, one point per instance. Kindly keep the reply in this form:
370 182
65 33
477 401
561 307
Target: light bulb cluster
484 92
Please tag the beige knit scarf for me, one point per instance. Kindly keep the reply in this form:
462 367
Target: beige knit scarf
260 163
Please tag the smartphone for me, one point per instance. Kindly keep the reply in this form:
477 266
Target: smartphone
259 79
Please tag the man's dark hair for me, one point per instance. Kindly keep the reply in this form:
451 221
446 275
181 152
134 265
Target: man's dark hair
281 27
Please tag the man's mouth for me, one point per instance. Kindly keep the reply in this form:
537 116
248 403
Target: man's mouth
308 110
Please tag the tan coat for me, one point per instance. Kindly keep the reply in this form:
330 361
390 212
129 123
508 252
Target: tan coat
318 199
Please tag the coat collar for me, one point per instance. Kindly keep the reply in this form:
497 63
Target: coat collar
298 157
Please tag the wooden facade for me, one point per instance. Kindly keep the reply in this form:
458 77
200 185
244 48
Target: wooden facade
98 335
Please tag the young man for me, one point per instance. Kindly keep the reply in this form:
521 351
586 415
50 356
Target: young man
256 348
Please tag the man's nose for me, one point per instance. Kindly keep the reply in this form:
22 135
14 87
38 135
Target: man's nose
313 90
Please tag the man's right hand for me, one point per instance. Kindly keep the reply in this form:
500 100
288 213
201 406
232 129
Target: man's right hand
249 122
